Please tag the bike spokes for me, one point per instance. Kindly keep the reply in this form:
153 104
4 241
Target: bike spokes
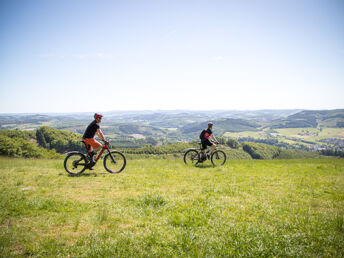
218 158
75 163
191 157
114 162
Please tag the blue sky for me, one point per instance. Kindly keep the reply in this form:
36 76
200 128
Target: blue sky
72 56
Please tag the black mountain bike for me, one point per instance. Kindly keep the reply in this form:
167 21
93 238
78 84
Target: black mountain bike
195 156
77 162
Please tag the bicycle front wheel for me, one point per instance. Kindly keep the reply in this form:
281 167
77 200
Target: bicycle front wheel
114 162
218 158
191 157
75 163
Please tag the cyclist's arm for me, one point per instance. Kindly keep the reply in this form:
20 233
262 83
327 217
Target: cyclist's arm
214 138
100 134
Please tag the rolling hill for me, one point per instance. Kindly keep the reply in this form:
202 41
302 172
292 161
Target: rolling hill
185 125
311 119
222 126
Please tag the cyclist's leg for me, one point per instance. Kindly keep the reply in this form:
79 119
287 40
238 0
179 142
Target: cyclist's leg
211 145
204 148
205 144
95 150
95 145
87 146
212 148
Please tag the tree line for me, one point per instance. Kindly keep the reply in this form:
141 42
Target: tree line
48 142
15 143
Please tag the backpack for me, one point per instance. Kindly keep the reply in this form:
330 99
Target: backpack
201 136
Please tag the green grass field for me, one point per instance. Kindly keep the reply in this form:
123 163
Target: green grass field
163 208
312 134
293 135
253 134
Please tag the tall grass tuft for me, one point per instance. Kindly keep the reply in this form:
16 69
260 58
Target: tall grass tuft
151 200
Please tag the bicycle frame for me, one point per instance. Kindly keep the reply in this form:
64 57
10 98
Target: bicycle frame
200 149
105 147
208 149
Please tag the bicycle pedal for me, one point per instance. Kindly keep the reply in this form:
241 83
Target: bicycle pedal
90 164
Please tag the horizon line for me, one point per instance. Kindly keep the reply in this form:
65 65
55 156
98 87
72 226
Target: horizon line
165 110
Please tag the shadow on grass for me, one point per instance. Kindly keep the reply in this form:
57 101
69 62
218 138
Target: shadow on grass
94 174
85 174
202 165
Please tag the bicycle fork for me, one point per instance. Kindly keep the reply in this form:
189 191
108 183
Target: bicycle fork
112 158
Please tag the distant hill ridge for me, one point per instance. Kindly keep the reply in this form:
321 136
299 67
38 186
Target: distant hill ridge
222 126
312 118
179 125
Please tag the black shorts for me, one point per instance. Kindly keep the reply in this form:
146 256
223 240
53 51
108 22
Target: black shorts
206 143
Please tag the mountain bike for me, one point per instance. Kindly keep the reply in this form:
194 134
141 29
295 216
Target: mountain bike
194 156
77 162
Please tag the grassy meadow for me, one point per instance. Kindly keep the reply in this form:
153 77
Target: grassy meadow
292 135
312 134
164 208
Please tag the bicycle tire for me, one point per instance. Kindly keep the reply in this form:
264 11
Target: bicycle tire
194 154
215 156
108 161
75 164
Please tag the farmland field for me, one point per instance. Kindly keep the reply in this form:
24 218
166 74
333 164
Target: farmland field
314 134
293 135
164 208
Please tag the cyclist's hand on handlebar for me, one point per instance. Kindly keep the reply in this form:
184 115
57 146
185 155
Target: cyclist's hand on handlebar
106 142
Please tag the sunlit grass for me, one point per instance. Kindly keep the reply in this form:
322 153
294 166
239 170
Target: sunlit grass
312 134
289 135
164 208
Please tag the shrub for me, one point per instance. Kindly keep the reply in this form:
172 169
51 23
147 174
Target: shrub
9 147
233 143
18 147
60 140
297 154
237 154
261 150
27 135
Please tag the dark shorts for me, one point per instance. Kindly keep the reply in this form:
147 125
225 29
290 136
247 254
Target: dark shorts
206 143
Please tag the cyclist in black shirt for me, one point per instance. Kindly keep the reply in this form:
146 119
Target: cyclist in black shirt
88 137
206 136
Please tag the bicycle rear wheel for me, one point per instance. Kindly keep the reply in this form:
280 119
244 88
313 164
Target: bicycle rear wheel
75 163
191 157
114 162
218 158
